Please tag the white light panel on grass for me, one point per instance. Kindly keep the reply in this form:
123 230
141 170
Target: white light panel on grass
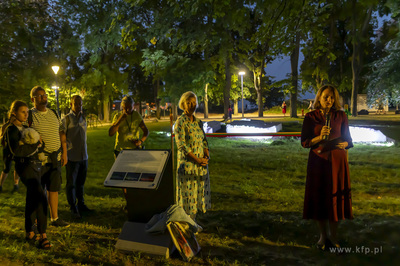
367 135
253 126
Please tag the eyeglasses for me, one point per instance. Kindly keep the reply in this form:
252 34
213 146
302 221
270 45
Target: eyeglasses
41 96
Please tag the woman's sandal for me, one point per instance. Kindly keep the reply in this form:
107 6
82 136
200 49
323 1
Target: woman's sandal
32 239
44 243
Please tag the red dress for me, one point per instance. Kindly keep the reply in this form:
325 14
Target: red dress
328 192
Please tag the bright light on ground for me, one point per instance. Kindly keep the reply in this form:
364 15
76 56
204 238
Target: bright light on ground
253 126
360 135
367 135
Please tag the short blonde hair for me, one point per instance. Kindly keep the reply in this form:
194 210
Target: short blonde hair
336 103
184 97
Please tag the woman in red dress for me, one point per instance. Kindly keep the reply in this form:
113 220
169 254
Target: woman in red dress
284 108
328 195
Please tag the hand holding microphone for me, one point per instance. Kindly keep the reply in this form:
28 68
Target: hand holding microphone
326 130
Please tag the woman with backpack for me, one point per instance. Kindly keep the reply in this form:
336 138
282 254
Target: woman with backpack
28 167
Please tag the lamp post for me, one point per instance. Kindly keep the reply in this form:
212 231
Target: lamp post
55 69
241 73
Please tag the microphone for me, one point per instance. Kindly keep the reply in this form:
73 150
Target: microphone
328 124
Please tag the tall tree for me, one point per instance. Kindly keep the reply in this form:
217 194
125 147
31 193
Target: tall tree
25 31
298 24
92 22
197 29
384 79
262 41
360 21
320 51
346 37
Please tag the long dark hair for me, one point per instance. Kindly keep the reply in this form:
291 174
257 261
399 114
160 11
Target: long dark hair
15 107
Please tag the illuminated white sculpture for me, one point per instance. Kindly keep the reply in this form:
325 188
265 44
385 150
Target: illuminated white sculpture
253 126
365 134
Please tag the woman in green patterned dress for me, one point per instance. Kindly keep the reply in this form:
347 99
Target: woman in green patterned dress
193 183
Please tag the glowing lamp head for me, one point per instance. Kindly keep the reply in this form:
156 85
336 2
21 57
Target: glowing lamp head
55 69
241 73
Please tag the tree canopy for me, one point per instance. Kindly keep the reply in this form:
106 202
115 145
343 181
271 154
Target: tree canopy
157 49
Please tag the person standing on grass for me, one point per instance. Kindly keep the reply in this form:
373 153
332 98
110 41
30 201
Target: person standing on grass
75 130
310 106
7 159
328 194
146 112
127 124
284 108
48 124
28 166
193 190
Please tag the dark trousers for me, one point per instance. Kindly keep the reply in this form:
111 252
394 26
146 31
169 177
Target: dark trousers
36 200
76 177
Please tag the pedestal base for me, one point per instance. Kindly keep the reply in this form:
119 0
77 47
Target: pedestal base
133 237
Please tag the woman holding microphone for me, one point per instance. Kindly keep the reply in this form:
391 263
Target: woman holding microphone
328 195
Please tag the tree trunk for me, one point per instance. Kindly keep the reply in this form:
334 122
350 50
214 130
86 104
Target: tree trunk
227 90
355 81
260 103
157 101
294 62
356 62
175 111
206 102
236 107
259 94
100 111
106 109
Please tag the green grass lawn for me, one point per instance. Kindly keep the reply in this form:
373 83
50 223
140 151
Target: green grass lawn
257 195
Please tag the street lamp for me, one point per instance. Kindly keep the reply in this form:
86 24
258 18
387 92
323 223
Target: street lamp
241 73
55 70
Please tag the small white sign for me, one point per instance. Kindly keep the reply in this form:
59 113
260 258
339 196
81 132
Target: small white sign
137 169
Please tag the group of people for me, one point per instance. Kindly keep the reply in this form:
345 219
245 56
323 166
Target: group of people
193 183
63 142
38 164
325 132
